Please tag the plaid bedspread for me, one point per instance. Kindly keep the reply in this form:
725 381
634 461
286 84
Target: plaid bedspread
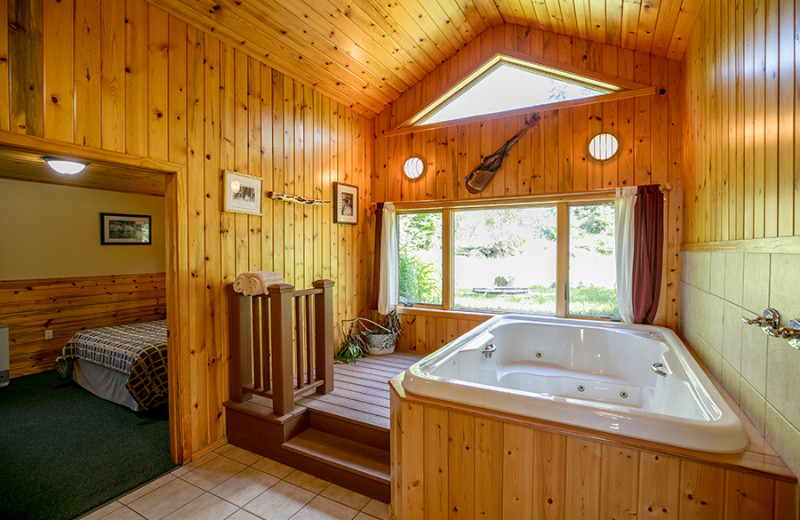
138 350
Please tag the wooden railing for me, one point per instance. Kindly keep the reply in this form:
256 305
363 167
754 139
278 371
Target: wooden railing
282 344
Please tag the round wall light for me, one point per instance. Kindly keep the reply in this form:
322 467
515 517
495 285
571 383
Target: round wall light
65 167
603 146
414 168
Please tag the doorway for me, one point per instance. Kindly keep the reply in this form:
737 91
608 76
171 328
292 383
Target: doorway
21 157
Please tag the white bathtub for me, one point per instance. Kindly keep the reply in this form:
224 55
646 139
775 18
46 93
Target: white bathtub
585 373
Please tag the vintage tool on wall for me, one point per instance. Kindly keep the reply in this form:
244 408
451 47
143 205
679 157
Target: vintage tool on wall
478 179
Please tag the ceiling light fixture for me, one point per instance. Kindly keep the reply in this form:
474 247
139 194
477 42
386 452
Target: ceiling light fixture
64 166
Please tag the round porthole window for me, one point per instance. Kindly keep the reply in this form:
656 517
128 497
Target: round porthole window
603 146
414 168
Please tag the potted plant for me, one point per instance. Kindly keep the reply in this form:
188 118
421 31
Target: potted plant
383 338
352 346
366 336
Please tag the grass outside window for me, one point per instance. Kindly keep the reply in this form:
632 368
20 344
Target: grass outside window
553 259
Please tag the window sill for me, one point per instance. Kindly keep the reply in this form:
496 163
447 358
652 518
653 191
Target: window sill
476 314
446 313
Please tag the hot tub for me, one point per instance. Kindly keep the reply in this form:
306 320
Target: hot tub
639 381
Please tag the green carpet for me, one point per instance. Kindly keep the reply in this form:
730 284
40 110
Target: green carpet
64 451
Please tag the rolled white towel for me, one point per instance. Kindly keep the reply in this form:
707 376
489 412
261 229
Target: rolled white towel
239 283
256 282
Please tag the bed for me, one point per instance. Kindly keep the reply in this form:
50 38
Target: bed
125 364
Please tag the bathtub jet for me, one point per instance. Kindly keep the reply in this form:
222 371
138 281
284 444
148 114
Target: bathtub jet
639 381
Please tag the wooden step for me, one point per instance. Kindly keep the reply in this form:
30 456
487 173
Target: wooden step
252 424
345 462
328 421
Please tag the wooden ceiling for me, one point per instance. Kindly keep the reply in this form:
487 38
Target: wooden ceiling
365 53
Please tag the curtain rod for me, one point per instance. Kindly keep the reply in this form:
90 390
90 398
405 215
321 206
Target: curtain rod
522 199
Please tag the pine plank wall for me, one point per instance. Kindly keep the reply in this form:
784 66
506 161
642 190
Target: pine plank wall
127 79
742 150
551 157
742 218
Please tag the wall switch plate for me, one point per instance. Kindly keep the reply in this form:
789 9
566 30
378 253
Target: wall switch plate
48 334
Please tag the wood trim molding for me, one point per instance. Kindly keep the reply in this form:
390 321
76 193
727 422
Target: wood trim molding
789 245
446 314
41 146
544 199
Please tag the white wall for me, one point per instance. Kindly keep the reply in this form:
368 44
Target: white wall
50 231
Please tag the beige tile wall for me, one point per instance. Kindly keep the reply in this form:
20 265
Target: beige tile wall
760 372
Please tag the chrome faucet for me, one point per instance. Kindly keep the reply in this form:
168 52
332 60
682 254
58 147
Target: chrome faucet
792 333
769 319
488 350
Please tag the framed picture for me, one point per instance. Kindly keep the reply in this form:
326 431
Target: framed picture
118 228
242 193
346 207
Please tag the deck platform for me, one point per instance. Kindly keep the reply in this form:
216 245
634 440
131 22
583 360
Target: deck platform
361 389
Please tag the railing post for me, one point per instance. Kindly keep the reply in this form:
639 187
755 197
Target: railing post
280 300
323 328
241 343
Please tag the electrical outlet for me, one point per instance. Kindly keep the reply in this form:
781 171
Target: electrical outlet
48 334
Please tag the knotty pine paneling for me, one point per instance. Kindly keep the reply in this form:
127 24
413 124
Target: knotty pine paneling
426 332
741 121
552 156
475 463
68 305
142 83
368 53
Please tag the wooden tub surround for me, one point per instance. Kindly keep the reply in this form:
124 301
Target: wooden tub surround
457 461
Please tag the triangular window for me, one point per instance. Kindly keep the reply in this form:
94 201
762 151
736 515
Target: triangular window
510 84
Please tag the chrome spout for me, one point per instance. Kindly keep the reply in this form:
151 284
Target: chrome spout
658 368
792 333
769 319
488 350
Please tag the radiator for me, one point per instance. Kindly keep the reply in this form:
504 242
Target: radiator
3 354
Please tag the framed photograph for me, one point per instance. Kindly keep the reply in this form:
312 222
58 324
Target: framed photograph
118 228
346 207
242 193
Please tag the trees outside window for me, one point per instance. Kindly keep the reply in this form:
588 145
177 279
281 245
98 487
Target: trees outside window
510 259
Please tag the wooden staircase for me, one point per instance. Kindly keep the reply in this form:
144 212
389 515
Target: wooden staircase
330 436
352 455
291 404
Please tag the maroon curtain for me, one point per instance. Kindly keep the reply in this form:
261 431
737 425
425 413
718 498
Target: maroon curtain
648 248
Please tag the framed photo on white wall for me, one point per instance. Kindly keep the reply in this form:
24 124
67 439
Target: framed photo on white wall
118 228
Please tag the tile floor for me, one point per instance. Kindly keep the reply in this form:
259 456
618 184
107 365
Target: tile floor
235 484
